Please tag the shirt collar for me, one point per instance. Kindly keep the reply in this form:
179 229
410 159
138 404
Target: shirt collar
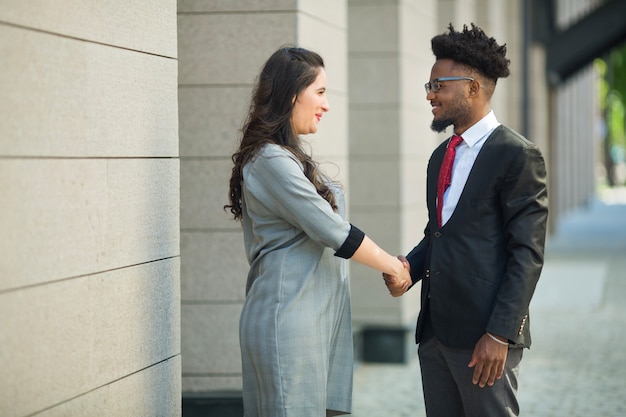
479 130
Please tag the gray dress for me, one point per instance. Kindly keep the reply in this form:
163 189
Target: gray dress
295 327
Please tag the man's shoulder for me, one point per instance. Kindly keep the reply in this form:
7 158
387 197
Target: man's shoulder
507 136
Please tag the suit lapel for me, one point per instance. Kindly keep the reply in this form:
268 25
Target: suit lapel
433 174
481 169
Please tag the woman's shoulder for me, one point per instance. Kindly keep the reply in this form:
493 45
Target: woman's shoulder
270 150
274 154
272 157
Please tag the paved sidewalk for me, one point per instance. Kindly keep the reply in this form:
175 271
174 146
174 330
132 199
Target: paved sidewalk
577 364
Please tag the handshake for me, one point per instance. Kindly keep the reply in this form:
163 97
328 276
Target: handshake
400 284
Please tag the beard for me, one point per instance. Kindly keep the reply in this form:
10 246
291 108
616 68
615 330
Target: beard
458 113
441 125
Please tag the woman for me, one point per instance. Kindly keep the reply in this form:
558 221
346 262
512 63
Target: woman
295 327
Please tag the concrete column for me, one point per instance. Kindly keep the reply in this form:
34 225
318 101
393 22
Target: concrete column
222 47
457 12
575 111
390 144
89 177
540 116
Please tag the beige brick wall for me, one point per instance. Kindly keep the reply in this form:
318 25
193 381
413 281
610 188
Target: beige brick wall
89 178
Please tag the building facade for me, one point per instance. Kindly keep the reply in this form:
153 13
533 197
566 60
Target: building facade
123 278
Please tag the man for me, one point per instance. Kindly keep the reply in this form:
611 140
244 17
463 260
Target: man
482 250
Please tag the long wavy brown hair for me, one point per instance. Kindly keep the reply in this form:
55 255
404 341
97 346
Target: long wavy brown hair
286 74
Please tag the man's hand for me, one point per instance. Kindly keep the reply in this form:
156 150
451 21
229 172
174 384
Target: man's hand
488 360
399 285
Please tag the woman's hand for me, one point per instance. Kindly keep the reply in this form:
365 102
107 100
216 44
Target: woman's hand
399 285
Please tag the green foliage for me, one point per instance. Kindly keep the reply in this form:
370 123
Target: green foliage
615 115
618 63
612 91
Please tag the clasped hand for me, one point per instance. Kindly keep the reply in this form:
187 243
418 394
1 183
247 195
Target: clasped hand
399 285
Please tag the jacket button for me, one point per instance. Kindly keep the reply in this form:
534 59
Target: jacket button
437 234
427 273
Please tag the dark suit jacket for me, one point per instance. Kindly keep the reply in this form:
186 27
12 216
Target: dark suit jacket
479 271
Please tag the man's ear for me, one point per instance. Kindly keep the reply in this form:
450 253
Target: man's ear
474 87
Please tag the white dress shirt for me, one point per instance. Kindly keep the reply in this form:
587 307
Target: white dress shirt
466 153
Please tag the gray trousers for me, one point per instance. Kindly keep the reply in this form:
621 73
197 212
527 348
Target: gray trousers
448 387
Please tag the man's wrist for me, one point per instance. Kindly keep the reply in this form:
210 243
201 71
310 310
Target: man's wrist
497 339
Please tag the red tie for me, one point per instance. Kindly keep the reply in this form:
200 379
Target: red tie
445 173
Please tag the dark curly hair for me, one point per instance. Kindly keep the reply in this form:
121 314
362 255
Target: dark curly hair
474 49
288 72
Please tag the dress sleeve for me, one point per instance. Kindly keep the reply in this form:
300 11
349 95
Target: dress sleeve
276 179
351 244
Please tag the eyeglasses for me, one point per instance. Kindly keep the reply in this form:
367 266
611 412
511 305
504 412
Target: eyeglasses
435 84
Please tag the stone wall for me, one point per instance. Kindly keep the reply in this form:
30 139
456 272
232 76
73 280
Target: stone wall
89 185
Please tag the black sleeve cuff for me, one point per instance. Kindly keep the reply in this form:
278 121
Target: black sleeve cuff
352 243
